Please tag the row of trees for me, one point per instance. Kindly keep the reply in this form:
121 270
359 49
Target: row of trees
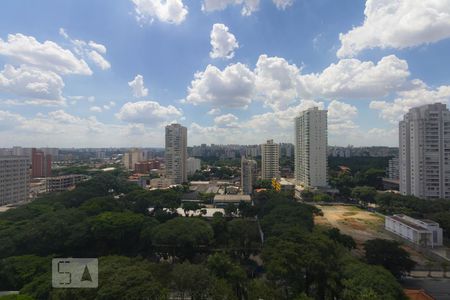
147 251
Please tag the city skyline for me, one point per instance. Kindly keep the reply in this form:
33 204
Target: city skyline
229 73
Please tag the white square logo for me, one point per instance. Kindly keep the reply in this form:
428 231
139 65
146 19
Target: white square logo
75 272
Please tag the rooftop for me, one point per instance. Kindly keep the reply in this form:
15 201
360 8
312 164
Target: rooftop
232 198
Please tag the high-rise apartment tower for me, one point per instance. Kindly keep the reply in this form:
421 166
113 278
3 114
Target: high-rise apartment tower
176 153
424 152
248 175
270 160
311 142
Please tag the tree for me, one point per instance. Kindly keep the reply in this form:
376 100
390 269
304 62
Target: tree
246 210
365 194
190 206
361 281
223 267
373 177
307 195
262 289
345 240
230 209
220 228
322 197
16 271
116 232
193 281
299 262
182 237
244 236
390 255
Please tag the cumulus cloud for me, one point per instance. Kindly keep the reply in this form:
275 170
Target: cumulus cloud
232 87
248 7
147 112
276 81
9 120
110 105
280 84
352 78
32 85
137 86
97 47
228 120
283 4
398 24
341 111
96 109
99 60
91 50
52 130
277 124
48 55
223 42
419 94
214 111
168 11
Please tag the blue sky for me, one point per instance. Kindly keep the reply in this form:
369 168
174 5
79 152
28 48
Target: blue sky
71 72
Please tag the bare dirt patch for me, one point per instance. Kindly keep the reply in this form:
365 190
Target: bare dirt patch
360 224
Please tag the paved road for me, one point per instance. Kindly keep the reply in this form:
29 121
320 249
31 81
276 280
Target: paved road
437 287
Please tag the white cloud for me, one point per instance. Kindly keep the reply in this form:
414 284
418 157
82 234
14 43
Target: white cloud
110 105
248 6
79 98
24 49
280 84
97 47
9 120
398 24
168 11
276 81
283 4
228 120
137 86
61 129
280 125
214 111
91 50
232 87
147 112
99 60
63 117
419 94
341 112
32 85
223 42
352 78
96 109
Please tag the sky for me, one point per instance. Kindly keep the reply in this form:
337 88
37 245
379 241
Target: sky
96 73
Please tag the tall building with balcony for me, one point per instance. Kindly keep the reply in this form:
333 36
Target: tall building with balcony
393 170
311 139
41 164
14 179
248 175
176 153
424 152
270 160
